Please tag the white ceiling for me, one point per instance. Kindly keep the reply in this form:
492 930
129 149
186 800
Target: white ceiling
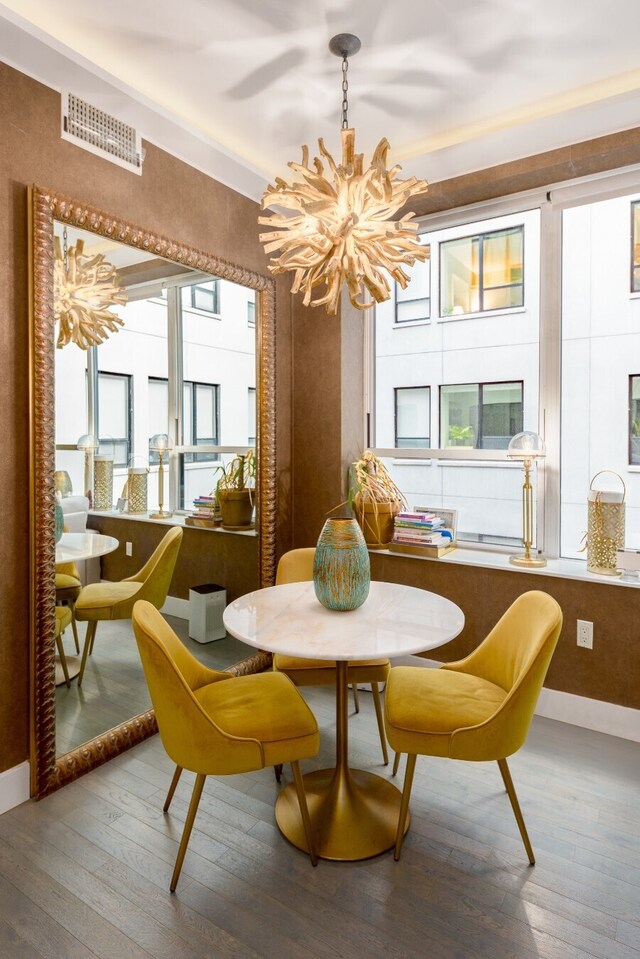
454 85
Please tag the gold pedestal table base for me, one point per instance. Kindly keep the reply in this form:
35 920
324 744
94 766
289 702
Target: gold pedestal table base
354 814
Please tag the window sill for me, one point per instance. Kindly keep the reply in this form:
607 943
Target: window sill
452 318
405 324
562 568
178 519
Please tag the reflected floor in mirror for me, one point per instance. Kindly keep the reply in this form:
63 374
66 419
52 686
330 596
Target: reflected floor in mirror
114 688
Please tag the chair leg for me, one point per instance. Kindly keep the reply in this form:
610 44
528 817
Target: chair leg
74 625
172 788
515 805
88 642
63 659
278 771
93 638
396 763
404 804
375 689
188 826
356 698
304 811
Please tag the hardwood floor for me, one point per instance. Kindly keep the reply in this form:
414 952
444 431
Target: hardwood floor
86 871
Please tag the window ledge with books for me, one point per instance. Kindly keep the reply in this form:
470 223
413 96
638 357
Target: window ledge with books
178 519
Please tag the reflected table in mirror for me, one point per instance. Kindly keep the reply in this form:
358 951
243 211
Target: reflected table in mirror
74 548
354 813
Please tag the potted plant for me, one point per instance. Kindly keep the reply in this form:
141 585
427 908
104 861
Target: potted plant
235 490
375 498
460 434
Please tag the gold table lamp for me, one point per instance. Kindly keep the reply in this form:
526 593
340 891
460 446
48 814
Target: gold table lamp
527 446
160 444
89 444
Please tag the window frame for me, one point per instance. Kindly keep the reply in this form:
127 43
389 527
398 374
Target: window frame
202 287
398 389
632 377
482 237
480 386
417 299
113 440
635 242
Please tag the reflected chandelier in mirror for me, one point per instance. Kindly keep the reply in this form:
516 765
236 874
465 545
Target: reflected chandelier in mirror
49 773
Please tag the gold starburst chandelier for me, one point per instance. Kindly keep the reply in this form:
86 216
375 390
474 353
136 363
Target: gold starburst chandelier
84 289
341 228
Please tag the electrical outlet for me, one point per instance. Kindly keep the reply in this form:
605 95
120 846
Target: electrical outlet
585 634
129 549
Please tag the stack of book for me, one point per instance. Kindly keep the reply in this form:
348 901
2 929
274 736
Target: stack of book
421 534
205 513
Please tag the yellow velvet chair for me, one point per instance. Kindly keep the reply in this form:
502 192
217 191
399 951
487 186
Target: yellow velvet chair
109 601
480 707
63 618
216 724
68 588
296 566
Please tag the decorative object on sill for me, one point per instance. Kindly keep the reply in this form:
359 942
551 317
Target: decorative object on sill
527 446
341 570
235 491
605 529
425 532
62 482
159 443
59 521
135 489
89 444
341 229
103 482
206 513
376 499
84 289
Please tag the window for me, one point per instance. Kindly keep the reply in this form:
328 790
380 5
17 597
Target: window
251 312
200 416
635 247
412 412
413 303
251 441
634 420
482 273
204 296
115 413
482 416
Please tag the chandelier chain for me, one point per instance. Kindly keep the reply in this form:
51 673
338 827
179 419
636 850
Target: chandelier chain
345 93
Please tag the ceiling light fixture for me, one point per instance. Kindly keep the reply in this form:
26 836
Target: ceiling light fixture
341 228
84 289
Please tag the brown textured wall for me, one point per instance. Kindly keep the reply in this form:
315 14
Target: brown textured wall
609 672
171 198
206 556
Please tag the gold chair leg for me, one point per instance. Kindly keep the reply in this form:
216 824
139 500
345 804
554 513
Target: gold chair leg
304 811
88 640
74 625
188 826
172 788
63 659
404 804
515 805
396 763
93 638
377 702
356 698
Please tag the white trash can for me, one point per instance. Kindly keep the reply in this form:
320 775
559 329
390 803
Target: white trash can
206 606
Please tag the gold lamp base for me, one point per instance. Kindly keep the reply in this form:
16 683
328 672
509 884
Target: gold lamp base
354 814
533 562
161 514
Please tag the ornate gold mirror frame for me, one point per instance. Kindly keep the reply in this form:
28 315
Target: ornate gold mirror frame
48 772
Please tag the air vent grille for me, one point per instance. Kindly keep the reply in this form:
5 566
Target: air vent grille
98 132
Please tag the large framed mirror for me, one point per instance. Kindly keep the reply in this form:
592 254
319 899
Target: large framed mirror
57 222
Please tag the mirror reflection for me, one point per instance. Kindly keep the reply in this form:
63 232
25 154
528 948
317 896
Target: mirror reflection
147 424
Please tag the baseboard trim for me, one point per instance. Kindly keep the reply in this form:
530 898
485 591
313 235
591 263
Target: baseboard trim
14 787
176 607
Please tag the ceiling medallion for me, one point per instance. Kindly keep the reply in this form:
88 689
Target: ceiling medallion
84 289
341 227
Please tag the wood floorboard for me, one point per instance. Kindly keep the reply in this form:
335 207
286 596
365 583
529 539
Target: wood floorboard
85 872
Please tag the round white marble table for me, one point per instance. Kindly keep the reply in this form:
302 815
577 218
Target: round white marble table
354 814
75 547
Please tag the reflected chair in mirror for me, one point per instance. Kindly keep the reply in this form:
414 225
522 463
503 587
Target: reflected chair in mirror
478 708
296 566
110 601
68 588
215 724
63 619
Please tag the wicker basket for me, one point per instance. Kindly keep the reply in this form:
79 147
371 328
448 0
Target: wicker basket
605 531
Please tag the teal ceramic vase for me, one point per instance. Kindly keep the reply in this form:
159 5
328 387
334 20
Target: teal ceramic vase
59 521
341 571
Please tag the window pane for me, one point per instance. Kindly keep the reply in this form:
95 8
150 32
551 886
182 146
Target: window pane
202 296
412 417
501 414
459 415
251 398
205 413
634 421
635 241
502 259
251 311
412 303
503 298
114 416
459 277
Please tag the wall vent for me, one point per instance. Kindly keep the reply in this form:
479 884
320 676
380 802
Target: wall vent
97 131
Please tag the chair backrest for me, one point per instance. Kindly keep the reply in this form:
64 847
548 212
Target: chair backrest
157 571
191 738
515 656
296 566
